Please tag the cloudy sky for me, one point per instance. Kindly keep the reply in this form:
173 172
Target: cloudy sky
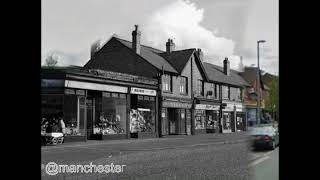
221 28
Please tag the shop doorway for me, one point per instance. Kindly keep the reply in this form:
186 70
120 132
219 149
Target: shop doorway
90 107
164 122
240 122
172 117
226 122
177 121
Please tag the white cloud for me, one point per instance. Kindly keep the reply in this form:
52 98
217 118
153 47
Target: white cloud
181 20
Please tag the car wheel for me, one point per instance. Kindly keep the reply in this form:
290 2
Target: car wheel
60 140
54 141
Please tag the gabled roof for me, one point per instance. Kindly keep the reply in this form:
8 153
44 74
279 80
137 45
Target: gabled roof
178 59
115 56
151 55
215 73
250 75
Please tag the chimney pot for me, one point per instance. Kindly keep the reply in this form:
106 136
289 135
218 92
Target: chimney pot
200 54
226 66
170 46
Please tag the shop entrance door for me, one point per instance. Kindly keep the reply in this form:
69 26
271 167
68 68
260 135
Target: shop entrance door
90 116
164 122
239 122
172 116
183 123
226 125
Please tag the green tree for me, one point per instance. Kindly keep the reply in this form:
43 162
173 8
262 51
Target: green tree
272 103
51 60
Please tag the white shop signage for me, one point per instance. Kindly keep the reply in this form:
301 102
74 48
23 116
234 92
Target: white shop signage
230 107
141 91
95 86
207 107
239 108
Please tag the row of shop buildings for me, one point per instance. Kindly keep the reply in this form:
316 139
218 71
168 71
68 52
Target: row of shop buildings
130 90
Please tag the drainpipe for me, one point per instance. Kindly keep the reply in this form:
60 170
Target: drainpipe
192 98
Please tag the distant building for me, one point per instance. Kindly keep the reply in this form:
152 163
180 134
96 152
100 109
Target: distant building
250 98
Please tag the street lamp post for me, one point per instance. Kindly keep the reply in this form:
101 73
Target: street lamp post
258 83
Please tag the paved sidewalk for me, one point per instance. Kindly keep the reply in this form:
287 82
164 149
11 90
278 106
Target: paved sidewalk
176 140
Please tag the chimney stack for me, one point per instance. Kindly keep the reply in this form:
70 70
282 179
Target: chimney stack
200 54
96 46
241 66
226 66
136 36
170 46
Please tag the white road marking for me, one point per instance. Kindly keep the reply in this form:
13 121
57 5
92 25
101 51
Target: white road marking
254 163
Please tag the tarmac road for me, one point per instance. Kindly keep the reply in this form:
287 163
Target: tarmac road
187 157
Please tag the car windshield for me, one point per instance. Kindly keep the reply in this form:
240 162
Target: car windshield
261 131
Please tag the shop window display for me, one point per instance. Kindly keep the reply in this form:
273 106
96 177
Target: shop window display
226 121
142 114
111 116
199 119
212 120
70 117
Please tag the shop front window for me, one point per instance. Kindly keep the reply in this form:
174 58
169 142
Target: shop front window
142 114
51 109
199 119
212 119
70 116
111 114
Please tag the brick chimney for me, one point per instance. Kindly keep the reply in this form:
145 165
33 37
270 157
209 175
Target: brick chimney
226 66
170 46
200 54
136 36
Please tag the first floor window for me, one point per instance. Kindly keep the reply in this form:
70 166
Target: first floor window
225 92
183 85
200 88
166 83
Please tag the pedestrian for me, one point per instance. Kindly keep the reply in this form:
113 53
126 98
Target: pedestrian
62 126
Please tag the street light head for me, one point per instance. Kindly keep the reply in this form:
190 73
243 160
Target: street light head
261 41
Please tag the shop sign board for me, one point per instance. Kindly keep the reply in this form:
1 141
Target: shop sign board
124 77
232 107
141 91
95 86
207 107
176 104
